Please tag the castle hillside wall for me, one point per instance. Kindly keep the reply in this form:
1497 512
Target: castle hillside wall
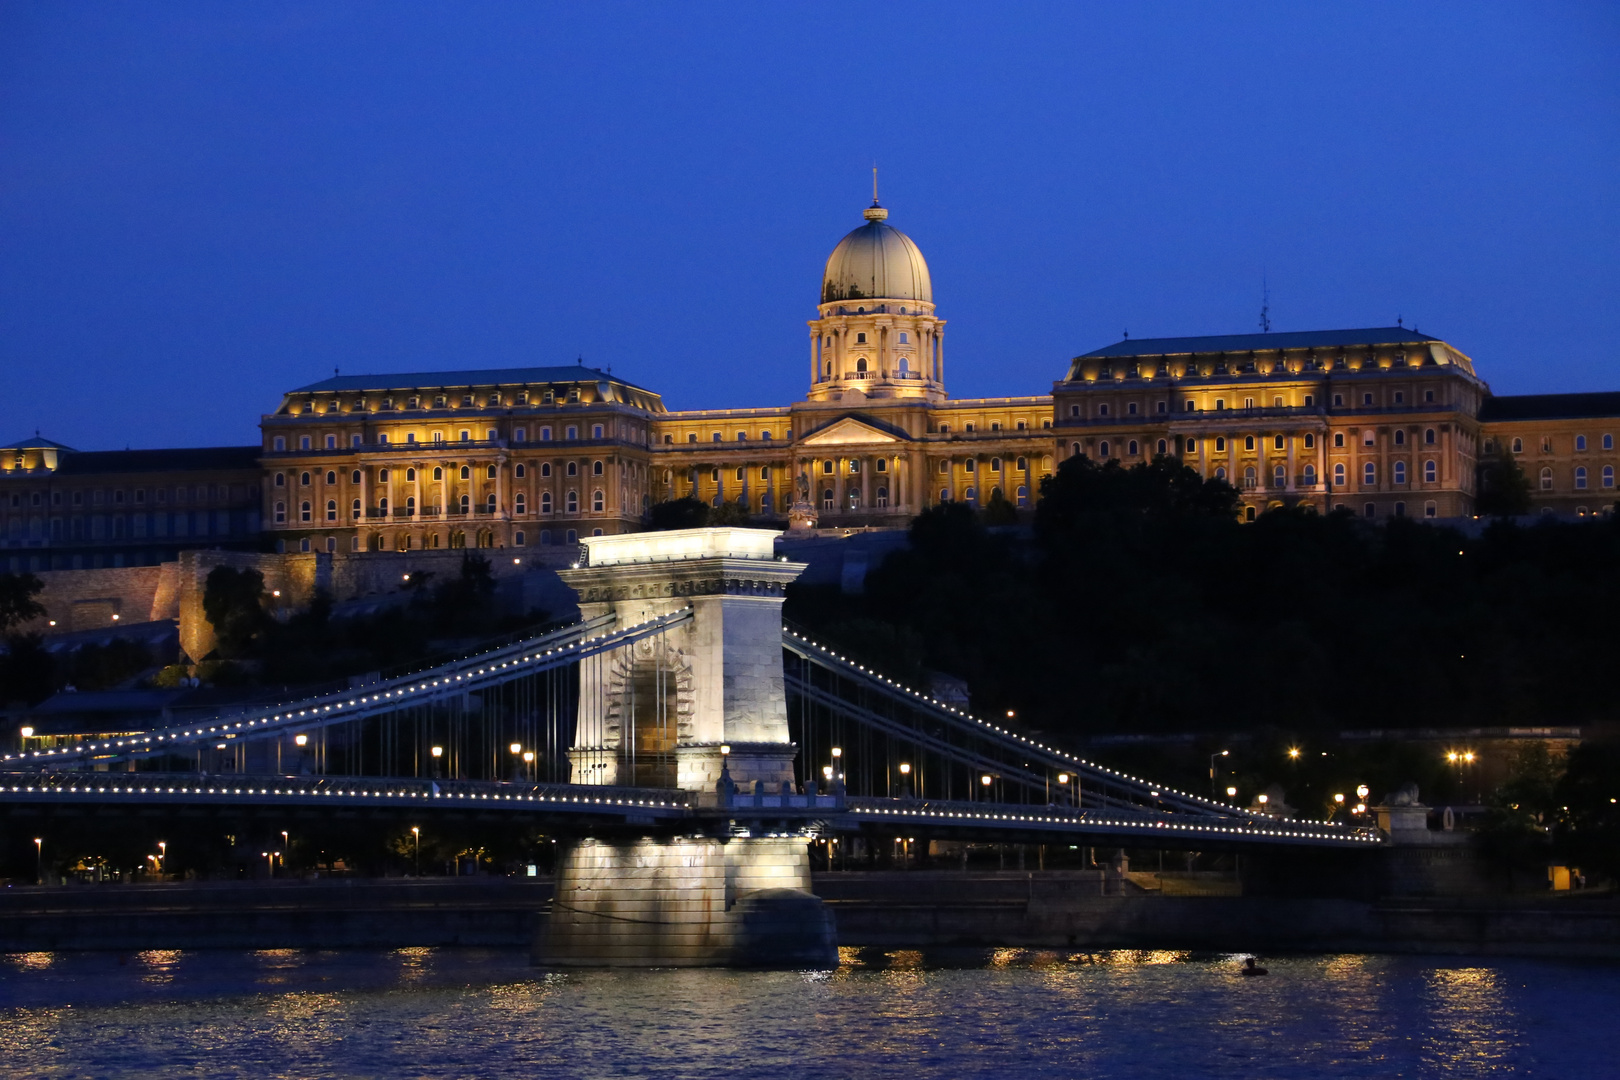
88 599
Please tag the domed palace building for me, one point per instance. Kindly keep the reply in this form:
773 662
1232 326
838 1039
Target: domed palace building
1385 422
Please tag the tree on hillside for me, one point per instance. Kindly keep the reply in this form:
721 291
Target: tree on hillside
17 600
233 603
690 513
1504 489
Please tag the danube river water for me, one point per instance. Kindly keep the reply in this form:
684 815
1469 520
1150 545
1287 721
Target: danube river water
416 1013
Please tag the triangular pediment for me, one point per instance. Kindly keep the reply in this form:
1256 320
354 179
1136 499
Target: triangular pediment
849 432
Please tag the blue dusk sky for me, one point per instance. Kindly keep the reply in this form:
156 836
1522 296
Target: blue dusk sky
205 205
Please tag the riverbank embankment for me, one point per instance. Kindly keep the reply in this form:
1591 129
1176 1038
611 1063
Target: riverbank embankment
891 910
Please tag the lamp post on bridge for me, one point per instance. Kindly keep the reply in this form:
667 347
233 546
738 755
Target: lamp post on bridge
416 838
39 860
438 756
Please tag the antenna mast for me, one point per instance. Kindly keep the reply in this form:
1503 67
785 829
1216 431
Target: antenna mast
1265 304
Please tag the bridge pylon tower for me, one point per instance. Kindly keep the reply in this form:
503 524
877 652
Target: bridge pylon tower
701 707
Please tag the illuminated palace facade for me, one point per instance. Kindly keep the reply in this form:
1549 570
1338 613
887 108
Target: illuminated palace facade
1385 422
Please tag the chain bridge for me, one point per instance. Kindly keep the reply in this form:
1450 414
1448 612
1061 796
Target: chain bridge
689 742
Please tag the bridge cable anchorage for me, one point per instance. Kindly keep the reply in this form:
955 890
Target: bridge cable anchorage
847 689
550 651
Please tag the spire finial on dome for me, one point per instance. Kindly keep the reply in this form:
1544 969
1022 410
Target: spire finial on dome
875 212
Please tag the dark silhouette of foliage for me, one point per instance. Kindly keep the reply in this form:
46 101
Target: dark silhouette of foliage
1139 603
1503 488
18 603
690 513
233 603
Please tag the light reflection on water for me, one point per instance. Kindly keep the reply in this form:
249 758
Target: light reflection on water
1002 1013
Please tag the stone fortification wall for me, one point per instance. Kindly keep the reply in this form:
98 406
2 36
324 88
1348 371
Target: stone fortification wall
88 599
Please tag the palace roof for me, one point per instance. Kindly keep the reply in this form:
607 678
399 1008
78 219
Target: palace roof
418 380
182 459
1550 406
1242 343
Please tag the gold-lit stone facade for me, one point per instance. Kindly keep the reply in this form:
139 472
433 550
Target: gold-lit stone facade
1383 422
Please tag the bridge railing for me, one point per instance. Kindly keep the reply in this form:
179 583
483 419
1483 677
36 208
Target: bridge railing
205 787
1159 826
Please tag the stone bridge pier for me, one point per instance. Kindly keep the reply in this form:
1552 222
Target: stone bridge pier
677 710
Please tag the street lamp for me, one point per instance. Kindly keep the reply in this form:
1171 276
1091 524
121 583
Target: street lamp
1231 792
905 779
437 752
1212 758
1293 753
416 837
39 860
163 854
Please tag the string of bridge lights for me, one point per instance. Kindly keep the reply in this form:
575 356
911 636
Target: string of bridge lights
1177 826
1079 762
316 710
130 789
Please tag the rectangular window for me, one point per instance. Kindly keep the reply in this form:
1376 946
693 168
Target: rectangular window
356 441
520 434
279 443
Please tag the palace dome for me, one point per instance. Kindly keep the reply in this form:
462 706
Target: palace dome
876 262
